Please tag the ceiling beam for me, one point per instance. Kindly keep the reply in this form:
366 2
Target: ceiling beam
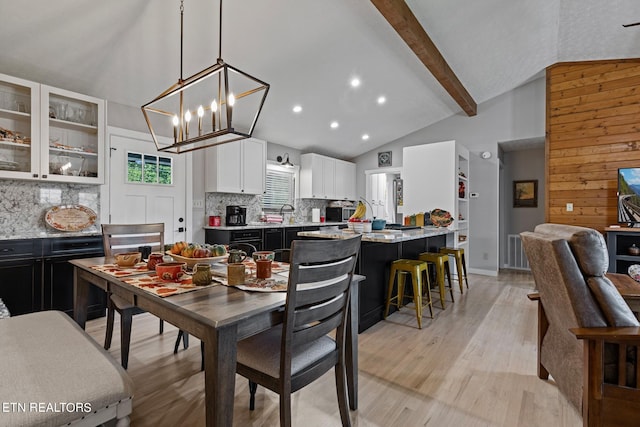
398 14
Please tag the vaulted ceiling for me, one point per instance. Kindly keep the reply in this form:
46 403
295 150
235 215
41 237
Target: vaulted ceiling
127 51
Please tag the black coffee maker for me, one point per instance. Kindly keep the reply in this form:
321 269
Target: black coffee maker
236 215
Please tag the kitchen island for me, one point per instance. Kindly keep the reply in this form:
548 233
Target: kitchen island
377 251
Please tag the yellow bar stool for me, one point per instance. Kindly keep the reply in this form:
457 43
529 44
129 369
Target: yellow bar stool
461 265
441 263
416 269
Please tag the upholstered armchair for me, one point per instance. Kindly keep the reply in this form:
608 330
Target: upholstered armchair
587 335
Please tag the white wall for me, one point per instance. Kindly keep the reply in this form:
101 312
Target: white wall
518 114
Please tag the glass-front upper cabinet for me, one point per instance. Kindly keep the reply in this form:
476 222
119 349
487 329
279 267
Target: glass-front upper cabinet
72 136
19 128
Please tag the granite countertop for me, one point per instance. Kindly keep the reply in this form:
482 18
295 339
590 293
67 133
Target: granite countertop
382 236
52 234
260 225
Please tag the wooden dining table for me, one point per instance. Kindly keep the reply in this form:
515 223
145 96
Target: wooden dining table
219 316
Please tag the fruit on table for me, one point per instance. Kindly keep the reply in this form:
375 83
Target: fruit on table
197 250
178 247
361 211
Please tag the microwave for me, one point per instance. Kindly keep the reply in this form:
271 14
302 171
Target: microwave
339 214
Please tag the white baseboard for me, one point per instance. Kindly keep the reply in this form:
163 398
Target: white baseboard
483 272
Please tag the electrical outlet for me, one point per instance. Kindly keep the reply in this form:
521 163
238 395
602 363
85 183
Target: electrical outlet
569 207
198 203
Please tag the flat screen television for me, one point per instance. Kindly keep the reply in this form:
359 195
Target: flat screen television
629 195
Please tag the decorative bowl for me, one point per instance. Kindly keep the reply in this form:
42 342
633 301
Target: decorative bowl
441 218
193 261
378 224
128 259
171 271
634 272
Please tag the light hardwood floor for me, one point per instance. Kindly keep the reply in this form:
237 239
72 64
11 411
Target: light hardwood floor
473 365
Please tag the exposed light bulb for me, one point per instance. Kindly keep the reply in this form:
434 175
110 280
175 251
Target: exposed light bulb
187 119
355 82
214 106
232 99
334 125
176 123
382 100
200 114
297 109
365 137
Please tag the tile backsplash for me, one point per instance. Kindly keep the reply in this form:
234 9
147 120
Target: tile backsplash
23 205
216 204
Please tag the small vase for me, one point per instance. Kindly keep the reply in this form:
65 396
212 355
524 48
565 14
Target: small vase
634 250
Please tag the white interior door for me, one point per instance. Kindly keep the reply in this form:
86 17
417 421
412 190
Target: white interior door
136 196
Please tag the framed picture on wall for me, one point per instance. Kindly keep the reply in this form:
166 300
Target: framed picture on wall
384 159
525 194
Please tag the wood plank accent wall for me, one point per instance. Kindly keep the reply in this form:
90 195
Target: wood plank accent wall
593 128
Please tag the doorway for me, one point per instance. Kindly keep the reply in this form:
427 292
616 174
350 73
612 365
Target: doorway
521 160
384 194
147 186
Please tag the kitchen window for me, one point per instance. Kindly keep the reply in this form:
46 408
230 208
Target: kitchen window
149 169
279 187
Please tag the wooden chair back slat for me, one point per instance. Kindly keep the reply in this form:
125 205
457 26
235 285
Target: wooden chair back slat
322 272
317 330
307 315
118 238
622 364
315 294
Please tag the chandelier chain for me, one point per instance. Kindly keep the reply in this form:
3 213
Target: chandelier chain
181 33
220 33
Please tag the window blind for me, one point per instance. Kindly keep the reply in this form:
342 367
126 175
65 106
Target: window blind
279 189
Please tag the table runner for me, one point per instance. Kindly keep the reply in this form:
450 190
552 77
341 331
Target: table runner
153 284
116 271
276 283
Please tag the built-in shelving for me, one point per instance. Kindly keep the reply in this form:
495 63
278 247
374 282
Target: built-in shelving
51 134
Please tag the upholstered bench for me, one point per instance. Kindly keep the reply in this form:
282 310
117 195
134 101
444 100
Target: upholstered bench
53 373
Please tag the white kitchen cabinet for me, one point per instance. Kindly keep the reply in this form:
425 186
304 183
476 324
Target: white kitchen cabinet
72 136
345 180
236 167
19 128
323 177
50 134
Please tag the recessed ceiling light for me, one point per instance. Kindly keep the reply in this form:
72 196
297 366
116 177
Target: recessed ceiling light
355 82
365 137
334 125
297 108
382 100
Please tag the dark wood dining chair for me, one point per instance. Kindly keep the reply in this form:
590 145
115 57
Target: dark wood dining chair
292 355
248 248
118 238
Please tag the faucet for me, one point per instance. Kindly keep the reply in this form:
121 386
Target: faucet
292 211
371 207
